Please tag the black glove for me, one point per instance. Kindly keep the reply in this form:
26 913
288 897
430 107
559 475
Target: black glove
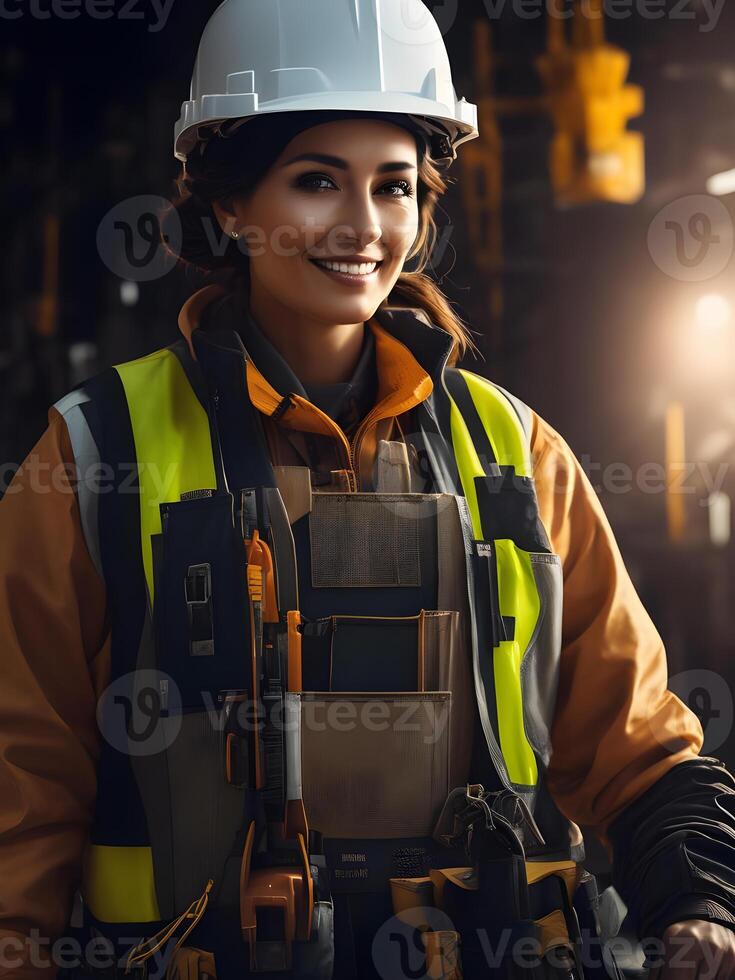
674 849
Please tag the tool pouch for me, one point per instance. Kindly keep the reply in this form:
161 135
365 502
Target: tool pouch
512 917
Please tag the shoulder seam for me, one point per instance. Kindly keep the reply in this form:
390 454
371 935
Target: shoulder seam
146 357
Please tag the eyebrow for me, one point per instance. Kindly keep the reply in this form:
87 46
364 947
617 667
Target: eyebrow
341 164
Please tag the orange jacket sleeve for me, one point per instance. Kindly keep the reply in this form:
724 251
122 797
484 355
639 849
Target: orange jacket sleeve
616 729
54 645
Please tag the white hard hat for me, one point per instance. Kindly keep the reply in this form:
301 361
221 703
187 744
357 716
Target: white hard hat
267 56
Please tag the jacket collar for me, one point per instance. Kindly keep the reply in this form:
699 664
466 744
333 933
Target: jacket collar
410 352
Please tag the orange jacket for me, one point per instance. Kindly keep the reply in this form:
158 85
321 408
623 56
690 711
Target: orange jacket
617 729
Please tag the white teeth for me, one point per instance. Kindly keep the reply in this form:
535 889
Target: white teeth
353 268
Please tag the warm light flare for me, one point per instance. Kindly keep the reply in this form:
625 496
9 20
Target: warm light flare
713 313
721 184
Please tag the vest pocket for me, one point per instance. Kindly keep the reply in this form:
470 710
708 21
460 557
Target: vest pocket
207 813
194 815
374 765
521 622
375 757
200 600
540 666
374 653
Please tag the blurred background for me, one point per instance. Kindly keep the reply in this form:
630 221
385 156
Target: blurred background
587 240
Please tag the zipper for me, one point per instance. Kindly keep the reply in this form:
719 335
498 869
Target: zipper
356 445
352 449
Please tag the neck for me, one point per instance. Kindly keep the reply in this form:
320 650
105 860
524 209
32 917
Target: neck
317 353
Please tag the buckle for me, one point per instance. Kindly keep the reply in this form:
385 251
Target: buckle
276 908
198 593
477 800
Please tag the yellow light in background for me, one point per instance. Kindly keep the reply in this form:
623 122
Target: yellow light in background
720 516
722 184
675 467
707 347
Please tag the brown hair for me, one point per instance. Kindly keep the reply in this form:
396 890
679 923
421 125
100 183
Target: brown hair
226 166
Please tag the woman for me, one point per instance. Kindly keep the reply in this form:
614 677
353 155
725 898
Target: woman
315 378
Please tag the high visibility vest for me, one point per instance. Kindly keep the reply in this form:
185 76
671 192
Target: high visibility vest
145 420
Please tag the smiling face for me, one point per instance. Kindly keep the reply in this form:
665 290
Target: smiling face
329 227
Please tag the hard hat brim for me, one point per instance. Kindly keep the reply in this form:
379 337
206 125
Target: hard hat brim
458 123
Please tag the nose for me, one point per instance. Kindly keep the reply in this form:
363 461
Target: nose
371 233
361 226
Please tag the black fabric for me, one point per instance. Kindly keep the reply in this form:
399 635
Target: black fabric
508 508
365 865
428 438
119 816
316 659
196 532
244 450
674 849
375 655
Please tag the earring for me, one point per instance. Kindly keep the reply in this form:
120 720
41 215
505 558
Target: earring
236 234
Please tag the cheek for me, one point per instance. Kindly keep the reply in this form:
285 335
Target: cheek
400 230
287 227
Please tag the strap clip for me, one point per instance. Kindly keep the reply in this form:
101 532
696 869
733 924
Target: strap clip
198 592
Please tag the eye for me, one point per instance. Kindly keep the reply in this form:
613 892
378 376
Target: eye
312 182
402 185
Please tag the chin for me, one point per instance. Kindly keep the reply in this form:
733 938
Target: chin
341 310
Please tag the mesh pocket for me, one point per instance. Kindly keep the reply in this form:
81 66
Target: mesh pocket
366 540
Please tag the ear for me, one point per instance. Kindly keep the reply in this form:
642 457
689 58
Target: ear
225 215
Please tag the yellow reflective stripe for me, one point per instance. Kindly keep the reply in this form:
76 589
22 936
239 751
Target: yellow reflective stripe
517 591
518 597
118 884
517 753
173 447
502 425
468 464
